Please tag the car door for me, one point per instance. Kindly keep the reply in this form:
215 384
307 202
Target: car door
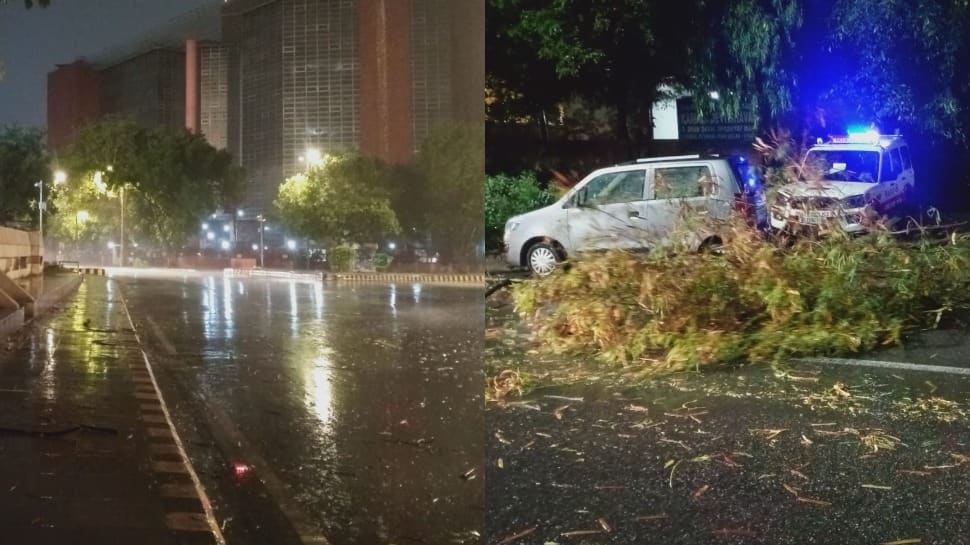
600 215
681 196
890 189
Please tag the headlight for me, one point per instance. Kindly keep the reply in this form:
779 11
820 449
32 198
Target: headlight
509 227
856 201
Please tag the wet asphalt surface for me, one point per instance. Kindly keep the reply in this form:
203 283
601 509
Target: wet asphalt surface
355 413
809 454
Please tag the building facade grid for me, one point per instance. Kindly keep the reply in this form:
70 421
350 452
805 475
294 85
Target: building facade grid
320 79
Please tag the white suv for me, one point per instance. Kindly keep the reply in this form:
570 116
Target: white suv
859 176
634 205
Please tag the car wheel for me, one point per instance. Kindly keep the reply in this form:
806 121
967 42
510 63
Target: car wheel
712 246
542 259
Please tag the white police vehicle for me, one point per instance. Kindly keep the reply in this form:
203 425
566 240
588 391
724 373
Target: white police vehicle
848 182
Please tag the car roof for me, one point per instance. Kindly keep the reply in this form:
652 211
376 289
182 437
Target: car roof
670 159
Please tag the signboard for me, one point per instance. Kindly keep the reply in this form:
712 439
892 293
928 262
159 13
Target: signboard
712 127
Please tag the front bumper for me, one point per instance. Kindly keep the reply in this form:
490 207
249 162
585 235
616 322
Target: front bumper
852 221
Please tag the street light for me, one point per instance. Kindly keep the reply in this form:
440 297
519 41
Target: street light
313 157
262 222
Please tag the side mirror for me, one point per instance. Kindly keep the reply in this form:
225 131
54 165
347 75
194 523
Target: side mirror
581 197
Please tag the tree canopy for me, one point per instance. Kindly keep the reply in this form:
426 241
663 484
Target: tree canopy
170 178
451 163
344 200
23 163
894 62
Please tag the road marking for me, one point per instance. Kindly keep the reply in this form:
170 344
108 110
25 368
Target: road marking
153 418
169 467
278 491
208 519
160 433
188 522
887 365
185 491
159 334
163 448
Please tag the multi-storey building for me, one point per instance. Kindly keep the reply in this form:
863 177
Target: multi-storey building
288 76
334 75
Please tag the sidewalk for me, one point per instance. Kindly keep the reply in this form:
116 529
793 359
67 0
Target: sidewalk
86 452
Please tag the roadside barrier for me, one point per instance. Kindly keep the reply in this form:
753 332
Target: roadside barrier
406 277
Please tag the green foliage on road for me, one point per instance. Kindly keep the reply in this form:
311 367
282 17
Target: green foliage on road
670 311
345 200
23 163
170 180
507 196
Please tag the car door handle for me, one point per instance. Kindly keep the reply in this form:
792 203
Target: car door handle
633 214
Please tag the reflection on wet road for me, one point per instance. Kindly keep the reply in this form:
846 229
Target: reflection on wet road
359 407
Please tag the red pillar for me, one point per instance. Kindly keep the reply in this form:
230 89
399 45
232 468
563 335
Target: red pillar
385 79
192 85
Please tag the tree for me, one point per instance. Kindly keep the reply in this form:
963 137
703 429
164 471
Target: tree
507 196
170 179
452 165
23 163
612 52
344 200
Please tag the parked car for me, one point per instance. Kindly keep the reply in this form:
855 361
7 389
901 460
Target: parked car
855 179
635 205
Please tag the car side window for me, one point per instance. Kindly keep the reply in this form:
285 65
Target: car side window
616 187
904 154
683 182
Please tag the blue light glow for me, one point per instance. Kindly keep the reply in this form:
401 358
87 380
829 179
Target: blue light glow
860 135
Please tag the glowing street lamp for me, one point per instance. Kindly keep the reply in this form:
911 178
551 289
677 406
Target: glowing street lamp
313 157
291 244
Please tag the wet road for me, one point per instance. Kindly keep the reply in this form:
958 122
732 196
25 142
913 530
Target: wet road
355 411
813 455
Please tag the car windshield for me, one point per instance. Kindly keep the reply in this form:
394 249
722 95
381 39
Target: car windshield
845 165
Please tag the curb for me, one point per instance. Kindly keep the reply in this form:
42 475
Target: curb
406 277
361 278
50 298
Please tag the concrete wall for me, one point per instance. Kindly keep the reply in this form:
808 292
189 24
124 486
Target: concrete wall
20 253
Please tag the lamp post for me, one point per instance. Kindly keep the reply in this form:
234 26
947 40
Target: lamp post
261 221
59 178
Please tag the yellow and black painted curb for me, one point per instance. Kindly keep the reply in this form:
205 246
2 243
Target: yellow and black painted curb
421 278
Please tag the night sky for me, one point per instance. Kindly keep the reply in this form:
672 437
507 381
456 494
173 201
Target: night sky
33 41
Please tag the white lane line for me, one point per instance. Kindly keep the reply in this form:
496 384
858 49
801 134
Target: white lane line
887 365
166 344
210 517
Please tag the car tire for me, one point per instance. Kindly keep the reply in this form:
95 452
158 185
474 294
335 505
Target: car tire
542 259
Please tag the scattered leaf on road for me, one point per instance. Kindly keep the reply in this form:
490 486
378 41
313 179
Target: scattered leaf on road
519 535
